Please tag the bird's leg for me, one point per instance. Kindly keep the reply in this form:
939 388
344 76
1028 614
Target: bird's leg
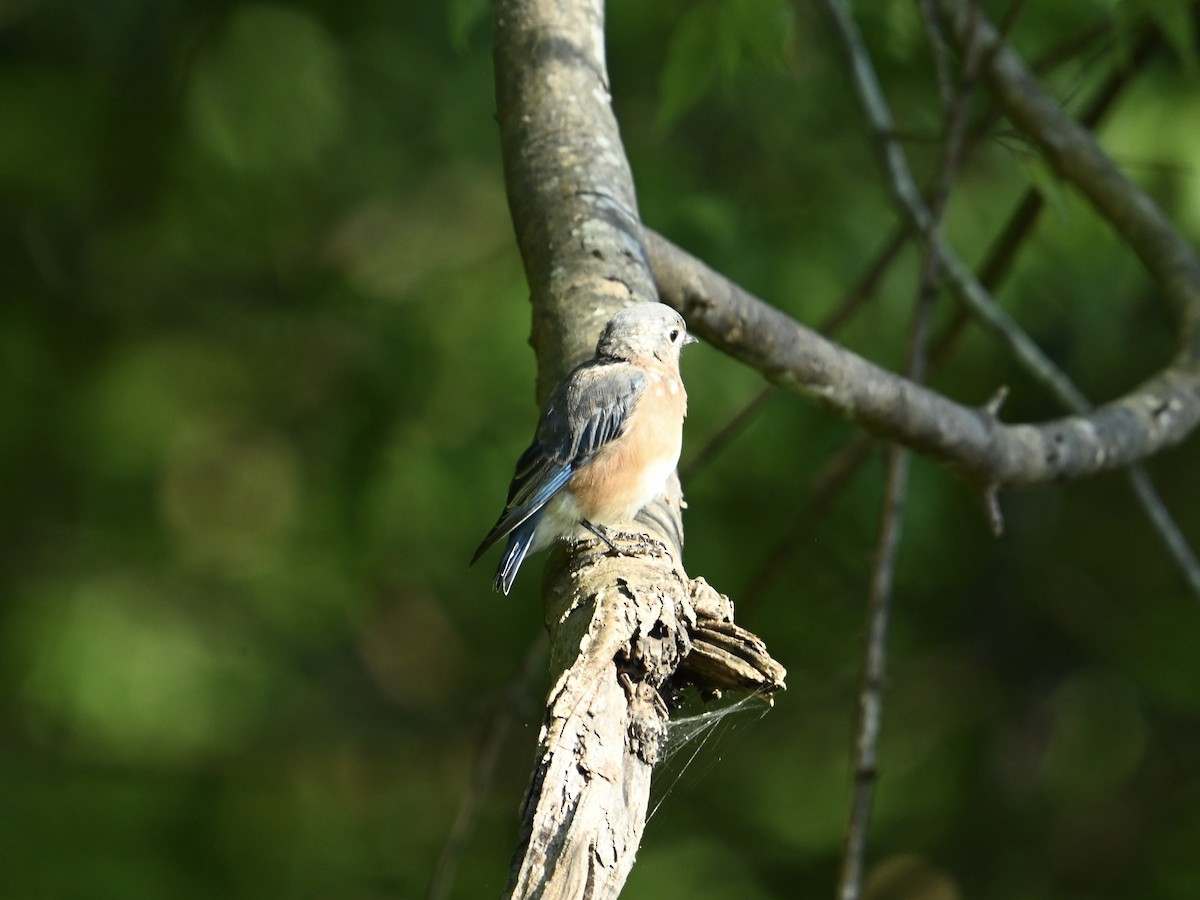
599 532
641 542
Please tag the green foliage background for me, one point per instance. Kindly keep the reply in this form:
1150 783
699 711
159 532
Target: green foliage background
264 373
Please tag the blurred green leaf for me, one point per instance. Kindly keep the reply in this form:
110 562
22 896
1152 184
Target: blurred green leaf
148 393
53 121
269 95
464 17
1098 736
1173 18
710 44
1176 19
119 672
1047 183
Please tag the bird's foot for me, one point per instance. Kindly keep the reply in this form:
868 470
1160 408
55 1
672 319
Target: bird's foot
601 533
639 542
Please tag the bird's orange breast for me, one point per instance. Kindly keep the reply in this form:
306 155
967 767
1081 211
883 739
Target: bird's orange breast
631 470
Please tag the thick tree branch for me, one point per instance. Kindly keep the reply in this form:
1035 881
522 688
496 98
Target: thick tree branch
574 211
995 267
620 625
1157 415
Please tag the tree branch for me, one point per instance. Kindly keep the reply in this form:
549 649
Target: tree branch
620 624
999 259
575 216
997 263
484 769
1159 414
879 601
1075 155
1162 247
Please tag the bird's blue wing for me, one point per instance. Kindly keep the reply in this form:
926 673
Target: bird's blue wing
588 411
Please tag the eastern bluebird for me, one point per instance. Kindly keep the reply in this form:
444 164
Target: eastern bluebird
606 443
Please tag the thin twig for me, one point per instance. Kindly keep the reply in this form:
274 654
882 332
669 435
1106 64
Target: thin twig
912 204
828 484
870 695
1003 252
937 50
1001 258
879 602
845 310
972 292
1009 22
725 435
864 289
1073 152
840 471
879 607
1168 529
484 770
870 711
868 283
1151 237
994 269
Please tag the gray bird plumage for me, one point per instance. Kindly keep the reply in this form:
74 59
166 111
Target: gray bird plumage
587 412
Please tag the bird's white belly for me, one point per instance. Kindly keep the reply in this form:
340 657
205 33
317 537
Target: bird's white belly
564 512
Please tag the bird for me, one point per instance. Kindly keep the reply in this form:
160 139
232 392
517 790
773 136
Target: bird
606 443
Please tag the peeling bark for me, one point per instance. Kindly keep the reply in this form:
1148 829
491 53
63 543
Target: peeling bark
620 624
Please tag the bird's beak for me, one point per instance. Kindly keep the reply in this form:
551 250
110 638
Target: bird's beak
689 338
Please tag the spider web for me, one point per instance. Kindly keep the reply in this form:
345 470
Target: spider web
689 736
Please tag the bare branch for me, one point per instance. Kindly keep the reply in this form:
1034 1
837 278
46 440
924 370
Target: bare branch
867 284
1157 415
1166 526
908 197
575 216
879 602
484 769
999 258
1076 156
620 624
845 310
937 50
1159 246
998 262
824 489
870 693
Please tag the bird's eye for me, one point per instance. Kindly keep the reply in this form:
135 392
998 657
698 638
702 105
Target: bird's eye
674 335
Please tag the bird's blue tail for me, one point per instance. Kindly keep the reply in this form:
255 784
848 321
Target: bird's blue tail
514 554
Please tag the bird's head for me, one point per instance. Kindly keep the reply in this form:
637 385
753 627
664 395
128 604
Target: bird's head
642 330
